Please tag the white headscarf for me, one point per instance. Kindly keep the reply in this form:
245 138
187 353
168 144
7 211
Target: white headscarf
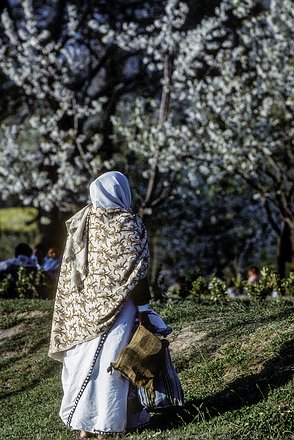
111 190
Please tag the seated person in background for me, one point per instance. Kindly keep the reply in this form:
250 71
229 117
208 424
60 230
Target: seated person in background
39 254
253 275
23 254
231 290
52 262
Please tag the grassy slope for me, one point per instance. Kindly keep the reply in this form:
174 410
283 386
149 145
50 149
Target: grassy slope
237 377
17 219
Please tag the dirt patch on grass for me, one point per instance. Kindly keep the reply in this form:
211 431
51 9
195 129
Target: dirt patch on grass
9 332
10 355
32 314
187 338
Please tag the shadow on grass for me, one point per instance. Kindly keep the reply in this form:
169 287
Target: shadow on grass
251 321
25 386
245 391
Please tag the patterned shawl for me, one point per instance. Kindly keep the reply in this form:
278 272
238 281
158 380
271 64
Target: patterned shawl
115 256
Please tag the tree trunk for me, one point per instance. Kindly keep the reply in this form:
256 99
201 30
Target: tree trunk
286 248
292 245
163 114
53 234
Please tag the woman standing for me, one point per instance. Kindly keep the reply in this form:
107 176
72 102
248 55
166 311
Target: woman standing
101 283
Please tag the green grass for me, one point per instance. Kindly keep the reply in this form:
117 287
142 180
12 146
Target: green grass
237 377
17 219
17 225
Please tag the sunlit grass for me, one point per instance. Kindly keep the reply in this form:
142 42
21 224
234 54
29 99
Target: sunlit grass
17 219
237 379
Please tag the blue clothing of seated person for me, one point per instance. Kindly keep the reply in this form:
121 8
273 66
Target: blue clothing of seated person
39 254
51 262
23 254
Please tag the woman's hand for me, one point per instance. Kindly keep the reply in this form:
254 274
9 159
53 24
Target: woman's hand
152 321
145 321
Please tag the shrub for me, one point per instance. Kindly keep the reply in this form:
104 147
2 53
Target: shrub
288 285
257 291
6 285
269 283
218 290
25 284
199 288
29 283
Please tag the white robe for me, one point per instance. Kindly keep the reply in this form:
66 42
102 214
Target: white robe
106 404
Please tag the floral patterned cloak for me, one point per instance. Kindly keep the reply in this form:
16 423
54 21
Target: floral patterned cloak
108 249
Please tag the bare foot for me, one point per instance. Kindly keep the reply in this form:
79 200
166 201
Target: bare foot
84 434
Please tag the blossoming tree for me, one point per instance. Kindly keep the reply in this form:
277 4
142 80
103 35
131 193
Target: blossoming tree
221 114
69 78
244 111
231 103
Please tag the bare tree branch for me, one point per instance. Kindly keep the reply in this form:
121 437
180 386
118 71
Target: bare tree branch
163 113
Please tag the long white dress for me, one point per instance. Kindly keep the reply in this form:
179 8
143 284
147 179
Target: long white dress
95 399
